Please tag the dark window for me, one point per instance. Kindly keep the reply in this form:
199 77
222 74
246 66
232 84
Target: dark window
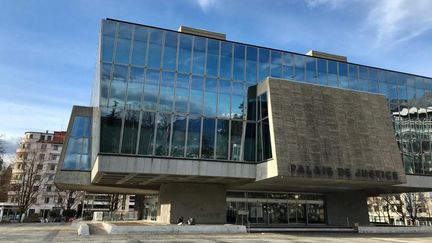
208 137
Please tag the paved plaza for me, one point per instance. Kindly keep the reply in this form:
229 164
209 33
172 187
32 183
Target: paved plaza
58 232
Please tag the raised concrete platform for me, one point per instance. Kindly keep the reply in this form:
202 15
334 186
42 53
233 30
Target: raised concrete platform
302 229
112 228
394 229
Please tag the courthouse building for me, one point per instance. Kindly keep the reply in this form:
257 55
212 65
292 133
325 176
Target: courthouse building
226 132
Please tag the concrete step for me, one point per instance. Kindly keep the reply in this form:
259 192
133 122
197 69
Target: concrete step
302 229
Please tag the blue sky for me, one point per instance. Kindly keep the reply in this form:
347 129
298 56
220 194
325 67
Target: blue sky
48 48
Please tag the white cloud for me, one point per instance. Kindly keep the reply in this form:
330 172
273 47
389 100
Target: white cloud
333 4
205 5
396 21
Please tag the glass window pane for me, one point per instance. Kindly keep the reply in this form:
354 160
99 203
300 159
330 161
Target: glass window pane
179 135
264 64
210 97
107 48
250 140
193 139
236 134
146 133
185 52
354 82
288 66
130 131
212 57
111 121
122 51
251 65
311 75
151 89
239 62
109 28
208 138
182 93
267 153
276 64
222 136
170 51
163 124
196 95
263 102
332 74
237 109
125 31
226 60
343 75
105 83
166 92
322 71
198 55
299 68
118 86
224 98
155 49
135 87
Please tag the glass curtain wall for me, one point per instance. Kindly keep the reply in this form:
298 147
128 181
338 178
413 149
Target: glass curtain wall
156 83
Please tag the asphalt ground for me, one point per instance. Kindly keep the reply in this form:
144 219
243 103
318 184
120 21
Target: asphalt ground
61 232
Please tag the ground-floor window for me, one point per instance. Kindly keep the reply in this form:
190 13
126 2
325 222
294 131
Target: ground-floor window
274 208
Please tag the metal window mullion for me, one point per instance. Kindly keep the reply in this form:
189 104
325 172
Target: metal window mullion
171 130
112 65
229 139
205 57
186 136
177 53
215 138
156 115
244 64
201 136
192 55
138 132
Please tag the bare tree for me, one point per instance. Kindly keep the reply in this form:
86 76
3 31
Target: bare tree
415 203
5 177
26 186
114 200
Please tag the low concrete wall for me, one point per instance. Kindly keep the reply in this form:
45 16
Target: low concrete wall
83 229
175 229
394 230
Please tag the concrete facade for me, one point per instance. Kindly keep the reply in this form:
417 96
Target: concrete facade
206 203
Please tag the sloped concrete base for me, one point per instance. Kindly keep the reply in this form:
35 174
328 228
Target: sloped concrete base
394 230
174 229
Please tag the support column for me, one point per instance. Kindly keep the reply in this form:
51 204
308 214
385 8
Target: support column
206 203
139 206
347 208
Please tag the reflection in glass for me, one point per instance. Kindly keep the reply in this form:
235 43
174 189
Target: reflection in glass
251 65
122 51
166 98
193 137
222 136
264 64
333 74
182 93
288 66
299 65
196 95
135 87
78 146
139 46
107 48
226 60
276 64
208 137
178 137
224 98
250 142
239 62
151 89
235 146
170 50
322 71
198 60
311 75
155 49
210 97
163 129
343 75
146 133
118 86
130 131
185 48
111 121
212 57
105 83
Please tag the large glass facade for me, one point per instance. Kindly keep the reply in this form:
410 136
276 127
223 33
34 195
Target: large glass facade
77 156
179 95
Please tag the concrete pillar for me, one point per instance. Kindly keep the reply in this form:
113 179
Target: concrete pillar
347 208
204 202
